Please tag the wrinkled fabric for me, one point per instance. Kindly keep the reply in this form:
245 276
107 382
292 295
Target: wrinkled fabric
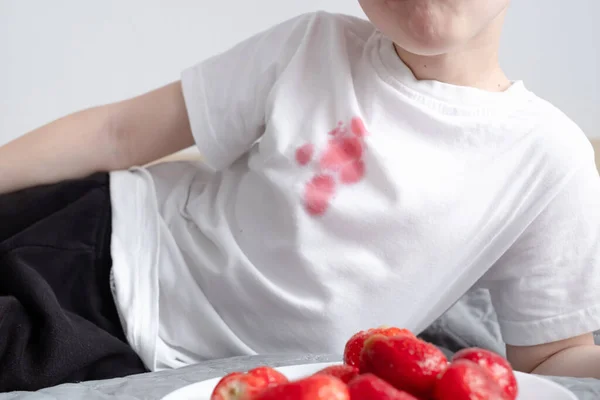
58 322
470 322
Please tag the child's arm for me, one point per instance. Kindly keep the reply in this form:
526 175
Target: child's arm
577 357
105 138
545 287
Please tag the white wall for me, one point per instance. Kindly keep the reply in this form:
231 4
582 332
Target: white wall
61 55
554 45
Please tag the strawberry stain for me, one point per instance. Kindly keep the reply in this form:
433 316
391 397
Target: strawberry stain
358 127
341 151
318 194
304 154
352 172
339 130
341 161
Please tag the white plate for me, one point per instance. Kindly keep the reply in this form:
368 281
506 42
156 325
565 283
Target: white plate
530 387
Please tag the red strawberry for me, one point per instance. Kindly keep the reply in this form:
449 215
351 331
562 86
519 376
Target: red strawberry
496 365
316 387
405 362
370 387
271 376
345 373
240 386
237 386
465 380
355 344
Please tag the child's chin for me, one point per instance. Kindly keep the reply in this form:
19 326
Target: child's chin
426 40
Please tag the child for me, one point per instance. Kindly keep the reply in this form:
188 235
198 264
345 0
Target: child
354 174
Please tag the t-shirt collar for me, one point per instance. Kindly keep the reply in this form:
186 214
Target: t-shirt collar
400 75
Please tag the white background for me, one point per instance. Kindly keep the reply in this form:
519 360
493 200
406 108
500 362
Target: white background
62 55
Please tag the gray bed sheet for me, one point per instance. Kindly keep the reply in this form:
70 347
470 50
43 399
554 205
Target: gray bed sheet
471 322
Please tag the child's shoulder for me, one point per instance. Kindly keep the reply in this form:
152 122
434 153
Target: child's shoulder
559 126
555 136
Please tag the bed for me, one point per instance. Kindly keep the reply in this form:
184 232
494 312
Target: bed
470 322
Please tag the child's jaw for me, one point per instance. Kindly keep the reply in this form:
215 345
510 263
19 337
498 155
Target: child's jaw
452 41
434 27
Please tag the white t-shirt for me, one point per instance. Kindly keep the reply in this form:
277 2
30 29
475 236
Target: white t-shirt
342 194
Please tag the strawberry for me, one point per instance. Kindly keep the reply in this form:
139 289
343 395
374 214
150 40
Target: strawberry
271 376
465 380
405 362
345 373
370 387
237 386
244 386
355 345
498 367
315 387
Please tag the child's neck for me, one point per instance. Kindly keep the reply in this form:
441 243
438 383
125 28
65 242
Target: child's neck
476 65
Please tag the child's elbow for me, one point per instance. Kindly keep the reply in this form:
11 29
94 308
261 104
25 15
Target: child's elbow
544 359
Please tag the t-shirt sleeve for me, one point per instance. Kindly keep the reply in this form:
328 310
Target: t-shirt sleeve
226 95
547 286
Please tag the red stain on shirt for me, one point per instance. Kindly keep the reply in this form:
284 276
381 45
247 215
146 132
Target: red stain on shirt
343 157
339 130
341 151
304 154
358 127
352 172
318 194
